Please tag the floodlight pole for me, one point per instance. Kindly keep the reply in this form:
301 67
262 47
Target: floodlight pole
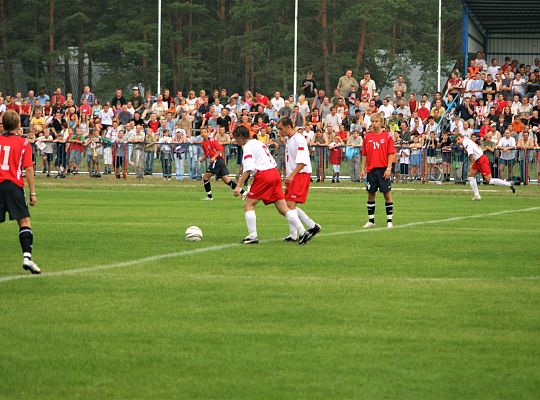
159 50
439 50
295 48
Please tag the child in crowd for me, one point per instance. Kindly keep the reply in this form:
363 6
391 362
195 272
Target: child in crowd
335 157
61 153
76 148
119 159
415 156
166 155
46 146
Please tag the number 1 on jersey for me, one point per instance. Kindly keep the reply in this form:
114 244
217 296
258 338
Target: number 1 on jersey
5 163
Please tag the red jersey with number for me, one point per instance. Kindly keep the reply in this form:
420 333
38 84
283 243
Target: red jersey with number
15 155
377 147
211 148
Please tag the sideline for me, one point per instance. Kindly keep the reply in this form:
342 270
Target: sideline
143 260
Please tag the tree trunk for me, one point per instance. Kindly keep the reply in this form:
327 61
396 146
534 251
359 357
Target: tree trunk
145 53
178 51
36 61
52 59
67 75
334 42
361 50
189 45
247 57
8 65
170 42
90 70
222 16
324 28
80 65
394 41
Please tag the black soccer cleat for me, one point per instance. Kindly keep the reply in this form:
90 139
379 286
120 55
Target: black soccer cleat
290 239
513 187
304 238
249 240
313 231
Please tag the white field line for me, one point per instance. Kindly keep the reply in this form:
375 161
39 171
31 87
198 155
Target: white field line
144 260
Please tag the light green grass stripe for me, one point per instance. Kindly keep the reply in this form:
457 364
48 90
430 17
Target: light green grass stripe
143 260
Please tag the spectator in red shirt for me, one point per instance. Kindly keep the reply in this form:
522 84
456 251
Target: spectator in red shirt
261 99
13 105
423 111
58 97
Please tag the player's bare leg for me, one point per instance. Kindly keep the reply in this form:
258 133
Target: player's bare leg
251 221
232 184
292 219
26 238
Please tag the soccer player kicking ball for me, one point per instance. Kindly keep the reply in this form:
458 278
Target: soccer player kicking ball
15 154
479 164
378 154
298 168
266 185
214 151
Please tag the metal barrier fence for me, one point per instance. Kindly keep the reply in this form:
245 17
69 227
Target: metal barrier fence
182 161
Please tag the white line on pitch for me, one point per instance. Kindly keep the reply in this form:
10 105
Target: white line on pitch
143 260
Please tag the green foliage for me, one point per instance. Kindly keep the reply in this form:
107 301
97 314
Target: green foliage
207 44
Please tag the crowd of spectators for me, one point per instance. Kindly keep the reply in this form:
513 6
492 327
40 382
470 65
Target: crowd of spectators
497 105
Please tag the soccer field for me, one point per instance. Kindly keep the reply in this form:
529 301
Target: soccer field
443 306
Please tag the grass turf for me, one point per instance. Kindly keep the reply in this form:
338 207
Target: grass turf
446 310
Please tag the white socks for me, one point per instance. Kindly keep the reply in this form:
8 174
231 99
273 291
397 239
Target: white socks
474 185
305 219
499 182
251 222
292 218
293 233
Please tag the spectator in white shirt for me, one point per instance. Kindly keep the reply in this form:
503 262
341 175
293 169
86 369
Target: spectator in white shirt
277 101
333 120
386 108
507 145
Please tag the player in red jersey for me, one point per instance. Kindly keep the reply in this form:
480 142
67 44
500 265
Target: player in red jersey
214 151
16 155
378 154
479 164
266 186
298 169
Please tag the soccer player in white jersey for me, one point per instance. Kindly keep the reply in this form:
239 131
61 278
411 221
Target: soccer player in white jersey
298 170
479 164
266 185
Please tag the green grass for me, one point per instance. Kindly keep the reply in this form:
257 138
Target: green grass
438 311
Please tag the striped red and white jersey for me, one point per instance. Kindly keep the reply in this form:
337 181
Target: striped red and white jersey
15 155
297 152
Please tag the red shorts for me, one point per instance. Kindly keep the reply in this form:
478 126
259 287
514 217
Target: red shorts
267 186
297 190
482 165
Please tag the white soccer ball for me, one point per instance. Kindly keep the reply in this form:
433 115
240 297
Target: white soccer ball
193 234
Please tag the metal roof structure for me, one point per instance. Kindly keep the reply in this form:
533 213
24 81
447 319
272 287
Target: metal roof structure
504 16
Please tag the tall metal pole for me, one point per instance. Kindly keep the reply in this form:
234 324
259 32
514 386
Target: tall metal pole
295 47
439 49
159 50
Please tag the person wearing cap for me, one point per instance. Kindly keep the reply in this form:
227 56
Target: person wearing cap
136 99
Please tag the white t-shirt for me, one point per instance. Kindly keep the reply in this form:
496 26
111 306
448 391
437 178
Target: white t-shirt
472 148
309 135
333 121
106 117
257 157
277 104
510 142
387 110
2 108
297 152
493 70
